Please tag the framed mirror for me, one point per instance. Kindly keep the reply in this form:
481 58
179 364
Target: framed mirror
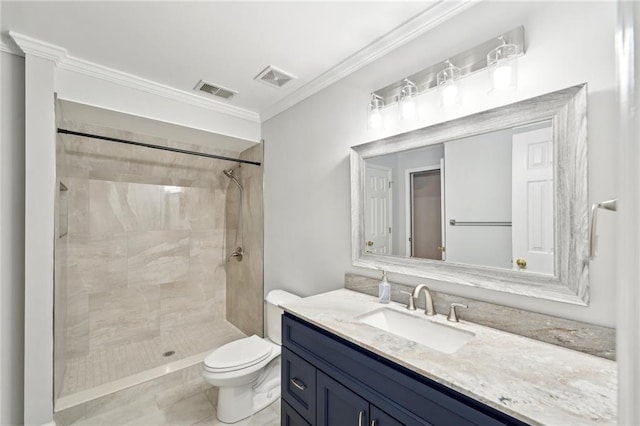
496 200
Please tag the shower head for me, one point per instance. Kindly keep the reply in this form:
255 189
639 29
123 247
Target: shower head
230 174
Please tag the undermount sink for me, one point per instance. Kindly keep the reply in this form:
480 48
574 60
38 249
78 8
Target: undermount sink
437 336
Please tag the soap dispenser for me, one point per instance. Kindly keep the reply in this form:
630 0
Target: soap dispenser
384 289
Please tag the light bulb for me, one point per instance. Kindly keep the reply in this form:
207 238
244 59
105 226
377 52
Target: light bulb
408 109
503 67
502 76
450 95
375 119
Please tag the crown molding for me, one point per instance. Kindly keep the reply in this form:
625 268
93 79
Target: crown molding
8 48
63 60
41 49
413 28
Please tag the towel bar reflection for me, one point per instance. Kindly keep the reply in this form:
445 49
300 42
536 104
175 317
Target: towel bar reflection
454 222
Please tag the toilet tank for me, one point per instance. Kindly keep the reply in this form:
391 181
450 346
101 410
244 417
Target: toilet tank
274 313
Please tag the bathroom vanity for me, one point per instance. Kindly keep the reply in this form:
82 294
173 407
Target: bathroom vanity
340 367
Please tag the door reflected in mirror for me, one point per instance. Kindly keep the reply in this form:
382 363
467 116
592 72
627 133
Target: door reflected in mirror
484 200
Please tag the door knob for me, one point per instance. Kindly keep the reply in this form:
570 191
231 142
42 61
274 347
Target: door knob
522 263
369 243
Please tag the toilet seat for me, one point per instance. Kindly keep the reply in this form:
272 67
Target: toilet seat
238 355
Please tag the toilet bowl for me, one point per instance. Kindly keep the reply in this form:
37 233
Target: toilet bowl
247 371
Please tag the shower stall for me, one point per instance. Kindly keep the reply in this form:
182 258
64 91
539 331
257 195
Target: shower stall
156 241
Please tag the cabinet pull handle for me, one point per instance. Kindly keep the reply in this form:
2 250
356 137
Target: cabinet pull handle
298 383
360 418
374 423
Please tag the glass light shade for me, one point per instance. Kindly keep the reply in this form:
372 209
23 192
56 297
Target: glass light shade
408 108
448 89
502 63
375 119
449 94
374 116
407 101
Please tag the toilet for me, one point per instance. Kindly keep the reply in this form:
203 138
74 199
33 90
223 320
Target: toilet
247 371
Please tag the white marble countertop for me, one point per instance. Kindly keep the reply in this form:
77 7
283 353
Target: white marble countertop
533 381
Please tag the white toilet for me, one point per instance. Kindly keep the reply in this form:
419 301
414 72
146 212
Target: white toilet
247 371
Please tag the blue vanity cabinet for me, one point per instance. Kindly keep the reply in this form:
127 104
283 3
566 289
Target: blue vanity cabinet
289 416
298 384
338 405
338 383
380 418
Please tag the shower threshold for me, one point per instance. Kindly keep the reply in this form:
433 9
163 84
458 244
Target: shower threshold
86 395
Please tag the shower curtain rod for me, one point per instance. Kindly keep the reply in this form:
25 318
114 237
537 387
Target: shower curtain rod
163 148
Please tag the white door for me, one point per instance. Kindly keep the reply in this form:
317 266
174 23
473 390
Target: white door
377 199
532 200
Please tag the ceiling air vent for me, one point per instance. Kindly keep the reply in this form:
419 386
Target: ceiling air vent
215 90
274 77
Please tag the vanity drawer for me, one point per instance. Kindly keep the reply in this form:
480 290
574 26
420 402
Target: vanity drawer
299 384
407 396
289 416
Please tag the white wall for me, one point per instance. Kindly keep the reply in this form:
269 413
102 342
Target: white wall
40 175
477 188
86 89
628 331
307 202
11 239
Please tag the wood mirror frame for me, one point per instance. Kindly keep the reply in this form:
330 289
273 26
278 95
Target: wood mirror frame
567 109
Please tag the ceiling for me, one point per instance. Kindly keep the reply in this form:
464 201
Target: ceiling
225 43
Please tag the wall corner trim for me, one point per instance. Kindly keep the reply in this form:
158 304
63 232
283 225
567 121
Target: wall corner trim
63 60
411 29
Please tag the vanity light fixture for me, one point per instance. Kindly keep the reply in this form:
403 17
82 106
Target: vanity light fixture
498 55
407 103
502 63
448 89
374 115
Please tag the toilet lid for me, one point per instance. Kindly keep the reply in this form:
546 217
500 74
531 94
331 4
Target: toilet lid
239 354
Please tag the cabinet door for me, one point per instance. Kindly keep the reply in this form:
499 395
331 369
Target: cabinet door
289 416
299 384
337 405
380 418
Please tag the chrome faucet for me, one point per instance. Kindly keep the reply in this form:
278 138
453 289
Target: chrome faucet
429 309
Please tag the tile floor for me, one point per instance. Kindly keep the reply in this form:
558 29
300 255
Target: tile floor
107 365
197 409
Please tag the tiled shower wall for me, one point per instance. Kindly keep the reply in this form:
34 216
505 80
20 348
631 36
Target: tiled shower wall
146 262
61 240
245 289
146 242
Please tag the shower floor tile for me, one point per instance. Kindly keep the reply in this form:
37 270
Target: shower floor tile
109 364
